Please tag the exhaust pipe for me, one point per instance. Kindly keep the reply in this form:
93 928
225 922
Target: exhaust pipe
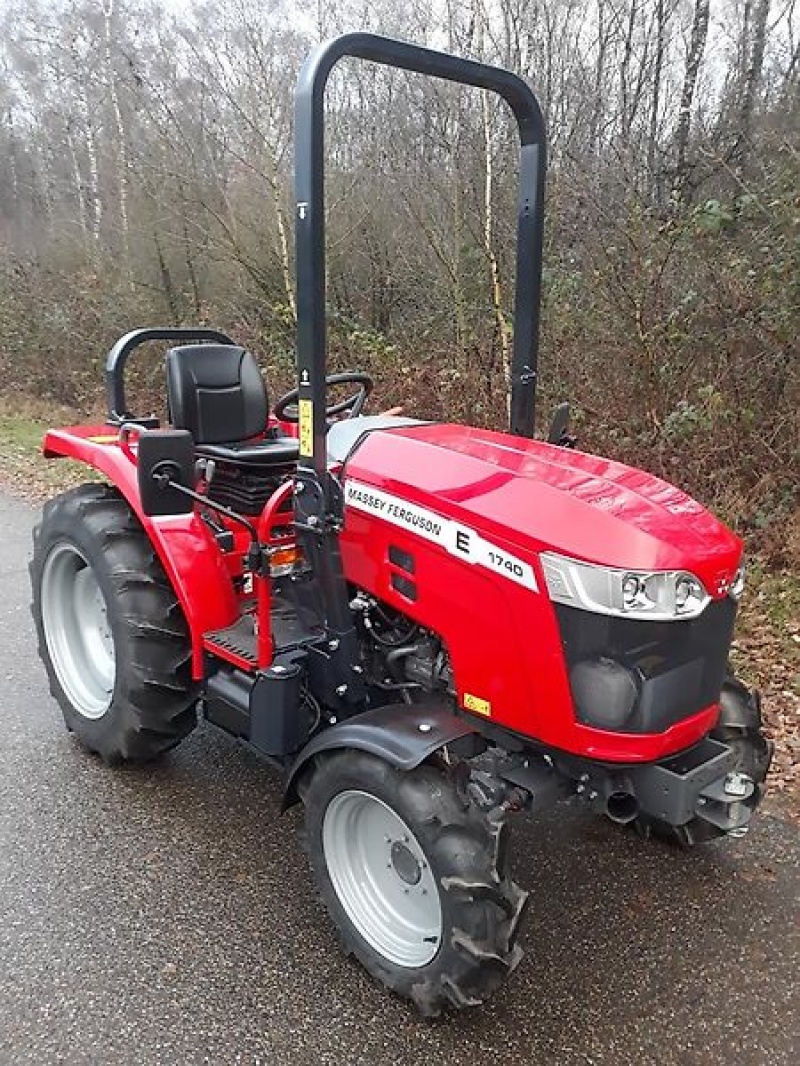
621 807
611 796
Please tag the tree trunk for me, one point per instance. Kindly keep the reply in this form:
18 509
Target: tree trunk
197 304
751 76
501 325
624 75
80 190
653 166
122 146
697 47
598 109
95 201
166 282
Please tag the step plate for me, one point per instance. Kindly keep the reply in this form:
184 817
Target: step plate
238 640
237 643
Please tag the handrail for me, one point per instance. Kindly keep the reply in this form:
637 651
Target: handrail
118 356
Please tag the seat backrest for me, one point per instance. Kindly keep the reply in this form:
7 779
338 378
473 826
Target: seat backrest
216 392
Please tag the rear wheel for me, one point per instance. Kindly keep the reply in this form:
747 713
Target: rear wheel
412 876
111 632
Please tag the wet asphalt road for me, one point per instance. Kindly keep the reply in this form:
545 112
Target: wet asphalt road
165 915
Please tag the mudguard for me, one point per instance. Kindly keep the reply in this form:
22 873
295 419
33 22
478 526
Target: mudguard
402 734
183 543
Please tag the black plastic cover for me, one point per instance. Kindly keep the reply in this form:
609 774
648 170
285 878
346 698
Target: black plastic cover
678 666
278 726
165 455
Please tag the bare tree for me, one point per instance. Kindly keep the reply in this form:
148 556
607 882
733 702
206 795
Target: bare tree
694 58
754 42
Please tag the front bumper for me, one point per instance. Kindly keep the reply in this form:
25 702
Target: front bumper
705 782
707 790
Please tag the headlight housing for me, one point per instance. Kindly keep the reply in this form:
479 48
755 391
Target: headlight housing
655 595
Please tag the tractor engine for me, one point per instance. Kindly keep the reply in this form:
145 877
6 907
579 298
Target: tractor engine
402 659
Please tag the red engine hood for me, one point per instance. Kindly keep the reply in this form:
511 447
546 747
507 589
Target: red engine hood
537 496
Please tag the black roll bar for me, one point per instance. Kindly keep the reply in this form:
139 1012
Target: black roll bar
310 220
118 356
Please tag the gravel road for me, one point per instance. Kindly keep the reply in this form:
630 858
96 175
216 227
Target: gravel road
165 915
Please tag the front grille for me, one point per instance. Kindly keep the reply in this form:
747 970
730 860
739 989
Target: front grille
678 667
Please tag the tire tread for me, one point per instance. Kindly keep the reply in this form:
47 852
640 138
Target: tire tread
153 704
485 907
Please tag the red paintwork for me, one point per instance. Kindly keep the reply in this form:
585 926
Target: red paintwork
199 572
273 515
525 497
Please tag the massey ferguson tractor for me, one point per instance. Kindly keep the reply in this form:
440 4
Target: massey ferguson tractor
426 627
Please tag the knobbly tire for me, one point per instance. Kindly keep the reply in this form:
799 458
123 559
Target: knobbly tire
111 632
412 836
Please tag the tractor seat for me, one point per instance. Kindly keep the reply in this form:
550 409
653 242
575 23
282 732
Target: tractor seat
216 391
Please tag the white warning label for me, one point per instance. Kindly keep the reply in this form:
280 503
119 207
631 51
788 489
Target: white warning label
458 540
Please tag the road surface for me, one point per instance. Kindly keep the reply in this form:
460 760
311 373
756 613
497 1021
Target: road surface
165 915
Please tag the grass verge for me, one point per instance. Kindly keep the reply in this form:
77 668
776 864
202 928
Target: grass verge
23 468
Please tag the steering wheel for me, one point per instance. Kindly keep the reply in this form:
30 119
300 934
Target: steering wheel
286 409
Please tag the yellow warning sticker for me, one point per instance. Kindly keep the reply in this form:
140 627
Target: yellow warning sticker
306 418
475 703
104 438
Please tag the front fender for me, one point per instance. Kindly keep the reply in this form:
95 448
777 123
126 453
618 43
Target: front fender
183 543
402 734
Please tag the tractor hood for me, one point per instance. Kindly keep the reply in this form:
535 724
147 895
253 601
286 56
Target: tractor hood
538 497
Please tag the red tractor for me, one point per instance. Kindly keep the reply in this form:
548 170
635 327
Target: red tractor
424 626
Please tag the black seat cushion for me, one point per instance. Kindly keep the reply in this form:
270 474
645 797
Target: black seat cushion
275 451
216 392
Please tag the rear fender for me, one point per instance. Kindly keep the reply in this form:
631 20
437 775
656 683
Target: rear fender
184 545
402 734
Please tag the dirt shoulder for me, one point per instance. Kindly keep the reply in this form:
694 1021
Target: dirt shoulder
766 652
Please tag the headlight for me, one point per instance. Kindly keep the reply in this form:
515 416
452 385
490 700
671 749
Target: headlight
660 596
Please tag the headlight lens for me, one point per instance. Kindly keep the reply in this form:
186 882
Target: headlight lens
660 596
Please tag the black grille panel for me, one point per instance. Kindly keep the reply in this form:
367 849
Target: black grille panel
678 666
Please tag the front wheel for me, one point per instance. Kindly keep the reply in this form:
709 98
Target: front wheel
411 874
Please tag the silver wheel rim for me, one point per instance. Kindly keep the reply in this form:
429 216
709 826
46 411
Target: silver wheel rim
77 631
382 878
